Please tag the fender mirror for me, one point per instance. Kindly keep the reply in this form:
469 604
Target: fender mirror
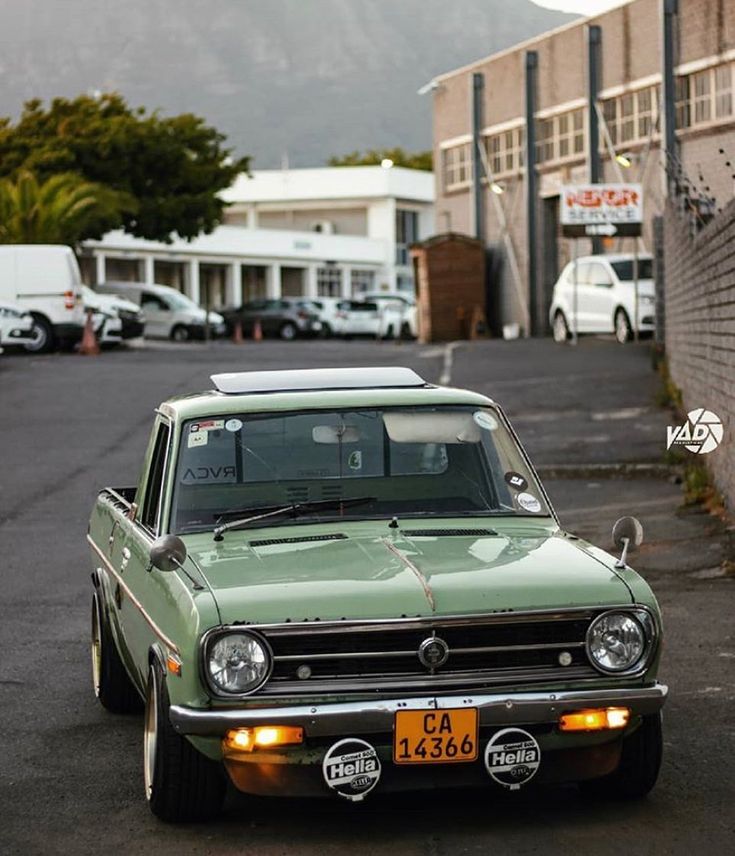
168 553
627 536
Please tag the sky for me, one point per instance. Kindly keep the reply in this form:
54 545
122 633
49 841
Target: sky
581 7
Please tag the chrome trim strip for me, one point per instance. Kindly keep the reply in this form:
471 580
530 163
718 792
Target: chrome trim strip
488 649
376 716
151 623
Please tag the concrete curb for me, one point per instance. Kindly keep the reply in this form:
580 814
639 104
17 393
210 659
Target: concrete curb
609 471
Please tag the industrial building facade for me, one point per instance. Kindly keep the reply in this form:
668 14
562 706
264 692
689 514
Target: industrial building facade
600 77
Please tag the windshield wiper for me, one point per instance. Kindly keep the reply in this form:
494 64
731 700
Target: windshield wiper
295 510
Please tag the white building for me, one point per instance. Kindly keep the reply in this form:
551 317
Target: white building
334 231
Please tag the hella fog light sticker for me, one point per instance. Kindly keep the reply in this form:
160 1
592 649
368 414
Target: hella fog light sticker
351 767
512 757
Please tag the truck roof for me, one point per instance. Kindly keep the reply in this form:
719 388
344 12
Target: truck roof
237 392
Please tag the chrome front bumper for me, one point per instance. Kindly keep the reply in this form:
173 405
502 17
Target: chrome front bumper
363 717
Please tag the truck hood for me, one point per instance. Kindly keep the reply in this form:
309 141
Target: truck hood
268 576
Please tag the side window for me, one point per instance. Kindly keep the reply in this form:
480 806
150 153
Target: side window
153 303
152 499
583 274
599 276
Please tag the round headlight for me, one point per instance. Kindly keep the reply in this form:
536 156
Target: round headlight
238 663
615 642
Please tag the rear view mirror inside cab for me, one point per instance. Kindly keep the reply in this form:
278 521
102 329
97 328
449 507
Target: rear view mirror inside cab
432 427
333 434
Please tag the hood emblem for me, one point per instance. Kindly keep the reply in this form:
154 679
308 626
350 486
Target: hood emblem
433 652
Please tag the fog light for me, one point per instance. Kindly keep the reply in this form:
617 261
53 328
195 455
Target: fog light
601 719
262 736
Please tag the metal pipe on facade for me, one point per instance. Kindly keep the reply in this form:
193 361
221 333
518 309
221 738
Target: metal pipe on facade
670 9
594 66
531 65
478 89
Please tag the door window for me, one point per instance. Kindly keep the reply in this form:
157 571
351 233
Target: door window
599 275
152 303
152 501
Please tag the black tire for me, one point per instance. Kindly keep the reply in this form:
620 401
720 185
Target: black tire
44 339
288 331
560 327
406 331
640 762
180 333
327 331
182 785
390 333
111 682
623 328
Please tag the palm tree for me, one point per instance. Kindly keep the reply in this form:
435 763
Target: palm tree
58 210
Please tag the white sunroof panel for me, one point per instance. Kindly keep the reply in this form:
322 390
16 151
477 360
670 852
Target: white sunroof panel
383 377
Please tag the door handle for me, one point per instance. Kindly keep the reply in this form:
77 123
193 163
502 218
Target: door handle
125 558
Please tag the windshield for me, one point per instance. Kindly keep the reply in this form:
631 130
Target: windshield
438 461
180 301
624 270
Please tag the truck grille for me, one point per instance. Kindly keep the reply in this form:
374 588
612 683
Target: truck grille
489 650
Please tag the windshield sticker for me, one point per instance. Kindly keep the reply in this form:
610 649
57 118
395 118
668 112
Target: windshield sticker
209 425
233 425
351 768
515 480
210 475
354 462
512 757
484 420
528 502
197 438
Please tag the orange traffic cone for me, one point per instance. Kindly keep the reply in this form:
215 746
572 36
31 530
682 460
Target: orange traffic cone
237 333
89 346
257 331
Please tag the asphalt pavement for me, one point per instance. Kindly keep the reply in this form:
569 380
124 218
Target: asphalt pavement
71 774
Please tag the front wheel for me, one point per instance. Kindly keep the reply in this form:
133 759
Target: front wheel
560 328
110 679
623 329
181 784
42 337
180 333
640 762
288 331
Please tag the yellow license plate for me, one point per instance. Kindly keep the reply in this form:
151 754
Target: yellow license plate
435 736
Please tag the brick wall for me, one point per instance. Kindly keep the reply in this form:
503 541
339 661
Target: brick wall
700 325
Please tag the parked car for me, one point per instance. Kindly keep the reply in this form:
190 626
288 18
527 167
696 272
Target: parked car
605 298
326 309
287 317
44 279
404 304
169 314
105 319
16 325
309 593
131 316
367 318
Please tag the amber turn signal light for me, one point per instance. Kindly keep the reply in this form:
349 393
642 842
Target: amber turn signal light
595 719
262 737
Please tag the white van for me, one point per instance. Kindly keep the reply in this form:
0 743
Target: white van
45 279
169 314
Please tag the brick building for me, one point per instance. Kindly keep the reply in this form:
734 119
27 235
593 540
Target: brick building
629 117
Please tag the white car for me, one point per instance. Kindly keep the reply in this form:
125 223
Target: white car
605 297
366 318
16 324
326 308
169 314
402 304
105 318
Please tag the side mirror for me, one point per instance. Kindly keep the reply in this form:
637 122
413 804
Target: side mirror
168 553
627 536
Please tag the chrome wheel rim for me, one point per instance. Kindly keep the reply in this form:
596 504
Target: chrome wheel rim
38 339
621 329
150 735
288 332
560 329
96 648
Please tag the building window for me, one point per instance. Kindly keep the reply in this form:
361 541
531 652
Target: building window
544 140
494 150
644 108
328 281
407 233
701 84
361 281
505 152
610 115
723 91
683 112
559 137
562 126
578 131
626 117
509 162
404 283
457 166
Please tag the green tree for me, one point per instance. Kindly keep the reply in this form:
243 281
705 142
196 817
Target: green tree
172 167
58 210
411 160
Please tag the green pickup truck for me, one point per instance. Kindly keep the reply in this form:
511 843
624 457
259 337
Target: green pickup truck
350 581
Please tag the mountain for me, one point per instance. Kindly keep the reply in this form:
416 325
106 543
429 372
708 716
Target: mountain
311 78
